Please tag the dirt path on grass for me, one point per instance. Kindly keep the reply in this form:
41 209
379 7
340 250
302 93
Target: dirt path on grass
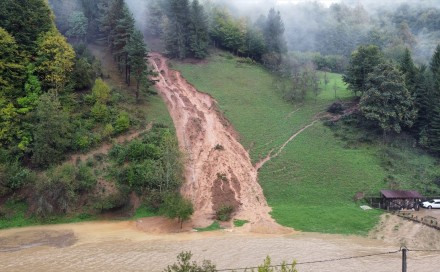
218 170
105 147
269 156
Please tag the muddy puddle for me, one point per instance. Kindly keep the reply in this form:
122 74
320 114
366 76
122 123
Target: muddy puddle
121 246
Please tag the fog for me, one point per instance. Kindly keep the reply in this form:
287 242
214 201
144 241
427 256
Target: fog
139 10
334 27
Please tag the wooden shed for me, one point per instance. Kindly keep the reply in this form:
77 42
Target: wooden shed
400 200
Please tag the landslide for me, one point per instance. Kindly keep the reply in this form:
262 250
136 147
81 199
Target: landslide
218 170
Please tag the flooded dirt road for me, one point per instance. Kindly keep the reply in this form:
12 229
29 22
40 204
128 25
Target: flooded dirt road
121 246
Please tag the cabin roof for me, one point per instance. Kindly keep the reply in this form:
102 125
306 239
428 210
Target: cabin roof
401 194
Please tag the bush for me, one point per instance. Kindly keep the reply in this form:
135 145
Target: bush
184 264
99 111
336 108
224 213
122 123
175 206
108 131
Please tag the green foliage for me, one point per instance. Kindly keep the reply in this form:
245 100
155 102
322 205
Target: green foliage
290 182
273 33
362 62
175 206
224 213
77 26
198 31
268 267
155 18
13 177
52 135
214 226
184 264
83 74
101 91
176 31
143 212
151 164
58 191
122 123
111 200
26 20
386 100
12 68
55 60
239 223
100 112
137 59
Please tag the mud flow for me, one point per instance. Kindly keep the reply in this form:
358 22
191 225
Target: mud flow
122 246
218 170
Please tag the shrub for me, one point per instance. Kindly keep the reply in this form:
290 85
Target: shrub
122 122
108 131
99 111
336 108
184 264
175 206
224 213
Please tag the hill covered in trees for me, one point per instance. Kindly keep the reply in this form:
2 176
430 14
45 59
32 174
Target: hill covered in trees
57 99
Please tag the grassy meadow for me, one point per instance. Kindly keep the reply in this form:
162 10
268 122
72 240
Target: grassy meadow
310 185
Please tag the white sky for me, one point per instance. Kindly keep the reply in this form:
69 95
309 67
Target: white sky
324 2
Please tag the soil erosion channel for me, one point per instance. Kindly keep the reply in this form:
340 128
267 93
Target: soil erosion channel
218 170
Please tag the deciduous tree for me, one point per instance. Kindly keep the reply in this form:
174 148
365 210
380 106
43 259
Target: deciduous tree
55 60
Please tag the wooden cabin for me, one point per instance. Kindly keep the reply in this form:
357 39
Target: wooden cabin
400 199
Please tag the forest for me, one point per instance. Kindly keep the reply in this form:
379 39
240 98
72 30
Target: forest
57 100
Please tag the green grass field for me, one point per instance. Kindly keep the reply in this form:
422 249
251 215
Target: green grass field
311 184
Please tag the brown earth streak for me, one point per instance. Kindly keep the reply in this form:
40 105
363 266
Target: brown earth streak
218 170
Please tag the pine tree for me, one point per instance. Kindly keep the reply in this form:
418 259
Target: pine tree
387 101
198 31
137 59
155 18
176 33
362 62
123 30
422 94
409 70
433 131
25 20
51 131
274 33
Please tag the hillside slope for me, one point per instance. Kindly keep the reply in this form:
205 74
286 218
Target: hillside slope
218 170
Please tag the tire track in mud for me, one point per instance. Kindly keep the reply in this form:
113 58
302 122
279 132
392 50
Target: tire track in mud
218 170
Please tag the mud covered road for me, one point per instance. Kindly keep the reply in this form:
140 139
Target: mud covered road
122 246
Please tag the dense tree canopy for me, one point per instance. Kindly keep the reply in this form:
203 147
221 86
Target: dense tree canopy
55 60
386 100
25 20
362 62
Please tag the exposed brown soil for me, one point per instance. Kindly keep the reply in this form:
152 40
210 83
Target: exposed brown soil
28 239
218 170
122 246
398 231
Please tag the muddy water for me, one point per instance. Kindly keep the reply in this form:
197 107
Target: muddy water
122 247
